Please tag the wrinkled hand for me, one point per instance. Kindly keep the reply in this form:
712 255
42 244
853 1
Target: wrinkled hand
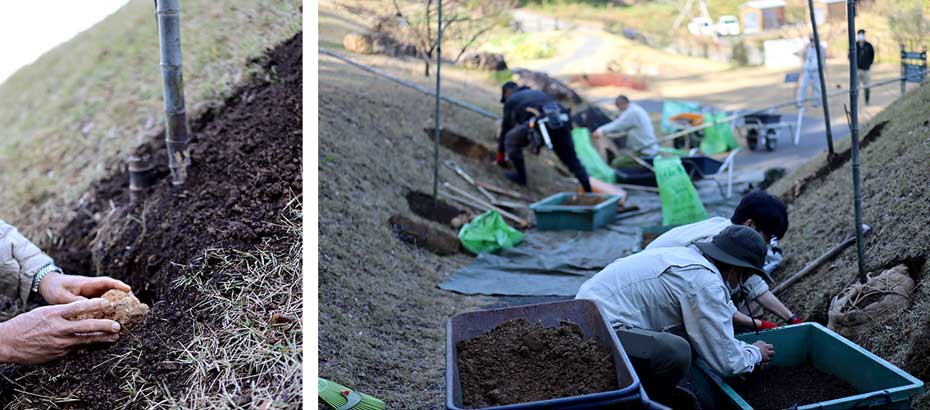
57 288
767 350
45 333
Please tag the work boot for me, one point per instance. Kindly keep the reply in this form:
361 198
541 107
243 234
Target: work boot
516 177
519 175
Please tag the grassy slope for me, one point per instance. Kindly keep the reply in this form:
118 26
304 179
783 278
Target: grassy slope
894 196
85 104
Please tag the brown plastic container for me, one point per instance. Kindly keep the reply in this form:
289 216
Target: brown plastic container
586 314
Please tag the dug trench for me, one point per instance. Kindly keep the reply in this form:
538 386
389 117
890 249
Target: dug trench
246 170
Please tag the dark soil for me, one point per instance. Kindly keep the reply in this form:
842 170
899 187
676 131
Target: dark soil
460 144
784 387
246 167
519 362
433 209
582 200
424 236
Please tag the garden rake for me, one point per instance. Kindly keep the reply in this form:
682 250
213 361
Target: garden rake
340 397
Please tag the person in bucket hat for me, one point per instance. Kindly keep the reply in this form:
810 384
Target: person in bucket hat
768 216
666 302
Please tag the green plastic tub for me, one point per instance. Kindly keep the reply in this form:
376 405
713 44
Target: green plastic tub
551 215
881 385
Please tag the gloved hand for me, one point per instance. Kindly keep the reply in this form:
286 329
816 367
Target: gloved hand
766 325
501 158
794 319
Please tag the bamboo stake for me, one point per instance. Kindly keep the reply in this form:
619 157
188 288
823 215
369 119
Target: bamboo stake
830 254
177 129
520 221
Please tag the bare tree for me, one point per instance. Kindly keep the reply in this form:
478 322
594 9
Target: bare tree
464 22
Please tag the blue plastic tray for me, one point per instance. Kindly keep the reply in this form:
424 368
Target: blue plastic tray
881 384
552 215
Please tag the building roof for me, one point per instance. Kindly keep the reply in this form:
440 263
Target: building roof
764 4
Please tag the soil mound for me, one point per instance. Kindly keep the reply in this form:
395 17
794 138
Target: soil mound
246 167
519 362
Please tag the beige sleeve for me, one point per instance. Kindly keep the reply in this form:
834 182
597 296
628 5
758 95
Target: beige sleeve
20 259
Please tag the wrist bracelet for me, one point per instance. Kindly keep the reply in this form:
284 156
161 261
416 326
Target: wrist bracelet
41 274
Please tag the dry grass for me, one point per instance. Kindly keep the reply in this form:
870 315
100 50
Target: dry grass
254 356
76 111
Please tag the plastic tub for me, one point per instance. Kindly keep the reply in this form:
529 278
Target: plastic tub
882 385
586 314
552 215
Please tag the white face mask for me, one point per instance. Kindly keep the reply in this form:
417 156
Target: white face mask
860 37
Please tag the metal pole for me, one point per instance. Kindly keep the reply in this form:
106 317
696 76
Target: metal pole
438 66
823 83
177 129
854 132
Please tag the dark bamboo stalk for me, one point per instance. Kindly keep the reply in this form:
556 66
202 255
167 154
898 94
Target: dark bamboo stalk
177 129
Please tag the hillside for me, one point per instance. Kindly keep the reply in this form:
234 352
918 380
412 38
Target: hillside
895 194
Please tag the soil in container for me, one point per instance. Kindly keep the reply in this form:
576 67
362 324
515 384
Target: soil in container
783 387
520 362
583 200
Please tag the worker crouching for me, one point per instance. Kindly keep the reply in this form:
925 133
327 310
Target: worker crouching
533 118
666 302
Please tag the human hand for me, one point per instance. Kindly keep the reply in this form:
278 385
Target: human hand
767 350
46 333
596 135
57 288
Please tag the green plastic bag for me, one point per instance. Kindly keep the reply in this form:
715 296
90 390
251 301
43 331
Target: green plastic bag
680 202
590 158
717 138
488 233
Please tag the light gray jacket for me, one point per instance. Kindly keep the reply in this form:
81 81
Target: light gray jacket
20 259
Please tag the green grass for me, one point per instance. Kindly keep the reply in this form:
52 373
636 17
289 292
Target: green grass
82 107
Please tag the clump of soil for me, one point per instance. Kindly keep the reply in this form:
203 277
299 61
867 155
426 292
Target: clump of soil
124 308
460 144
519 362
424 236
583 200
433 209
784 387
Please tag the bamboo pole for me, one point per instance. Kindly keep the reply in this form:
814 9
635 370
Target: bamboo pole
177 129
854 133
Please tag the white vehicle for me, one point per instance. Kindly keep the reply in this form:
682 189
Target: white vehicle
701 26
728 26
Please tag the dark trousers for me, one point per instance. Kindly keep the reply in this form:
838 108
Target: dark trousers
660 359
519 137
